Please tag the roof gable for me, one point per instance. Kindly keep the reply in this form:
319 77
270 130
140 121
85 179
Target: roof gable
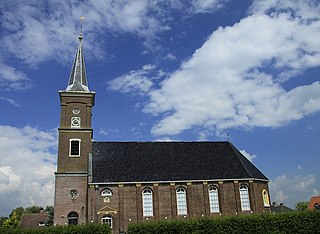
169 161
313 201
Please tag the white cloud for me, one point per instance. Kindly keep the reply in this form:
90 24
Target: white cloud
170 57
40 31
10 101
133 82
12 79
290 190
203 6
227 82
27 165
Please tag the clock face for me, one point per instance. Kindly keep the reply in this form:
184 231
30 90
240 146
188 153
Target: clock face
76 111
75 122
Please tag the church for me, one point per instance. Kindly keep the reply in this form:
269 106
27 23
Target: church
117 183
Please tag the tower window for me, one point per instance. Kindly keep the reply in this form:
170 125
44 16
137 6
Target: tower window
74 148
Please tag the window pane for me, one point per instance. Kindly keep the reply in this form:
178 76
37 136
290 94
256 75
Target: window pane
75 148
265 197
244 198
147 202
181 201
213 199
107 220
106 192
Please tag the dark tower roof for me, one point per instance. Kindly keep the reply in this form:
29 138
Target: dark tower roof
78 77
169 161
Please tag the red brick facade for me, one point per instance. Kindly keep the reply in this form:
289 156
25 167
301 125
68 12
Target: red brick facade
125 204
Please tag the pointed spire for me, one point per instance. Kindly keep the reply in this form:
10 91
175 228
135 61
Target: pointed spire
78 77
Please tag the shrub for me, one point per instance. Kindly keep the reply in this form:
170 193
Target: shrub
292 222
71 229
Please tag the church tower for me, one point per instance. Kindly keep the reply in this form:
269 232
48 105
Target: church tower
74 146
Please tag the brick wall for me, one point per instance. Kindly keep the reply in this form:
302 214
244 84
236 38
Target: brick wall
127 201
64 204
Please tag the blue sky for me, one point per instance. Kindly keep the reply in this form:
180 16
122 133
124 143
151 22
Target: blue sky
175 70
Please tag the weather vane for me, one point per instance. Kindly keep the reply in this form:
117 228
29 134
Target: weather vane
81 20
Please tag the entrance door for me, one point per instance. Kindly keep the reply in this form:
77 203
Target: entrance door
107 219
73 218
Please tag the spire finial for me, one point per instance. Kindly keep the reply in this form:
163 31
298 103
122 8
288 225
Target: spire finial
80 35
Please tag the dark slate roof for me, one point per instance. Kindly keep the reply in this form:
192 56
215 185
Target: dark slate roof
169 161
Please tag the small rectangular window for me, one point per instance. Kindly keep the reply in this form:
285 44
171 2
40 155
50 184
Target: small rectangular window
74 148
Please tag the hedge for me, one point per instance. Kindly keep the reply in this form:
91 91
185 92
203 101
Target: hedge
71 229
292 222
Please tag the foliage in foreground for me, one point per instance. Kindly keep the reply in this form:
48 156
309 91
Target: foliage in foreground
71 229
292 222
301 205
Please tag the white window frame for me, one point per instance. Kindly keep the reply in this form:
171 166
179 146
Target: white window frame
70 141
107 220
106 193
181 195
147 202
214 199
244 197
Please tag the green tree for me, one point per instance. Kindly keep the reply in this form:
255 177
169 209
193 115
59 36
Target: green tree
2 219
19 211
301 205
50 211
33 209
11 222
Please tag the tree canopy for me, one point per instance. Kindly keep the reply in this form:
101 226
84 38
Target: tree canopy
301 205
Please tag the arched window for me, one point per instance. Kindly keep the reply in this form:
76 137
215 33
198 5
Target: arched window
74 147
181 201
147 202
73 218
106 193
213 199
244 197
107 219
265 197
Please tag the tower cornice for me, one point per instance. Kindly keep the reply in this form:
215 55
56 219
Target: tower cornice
77 94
